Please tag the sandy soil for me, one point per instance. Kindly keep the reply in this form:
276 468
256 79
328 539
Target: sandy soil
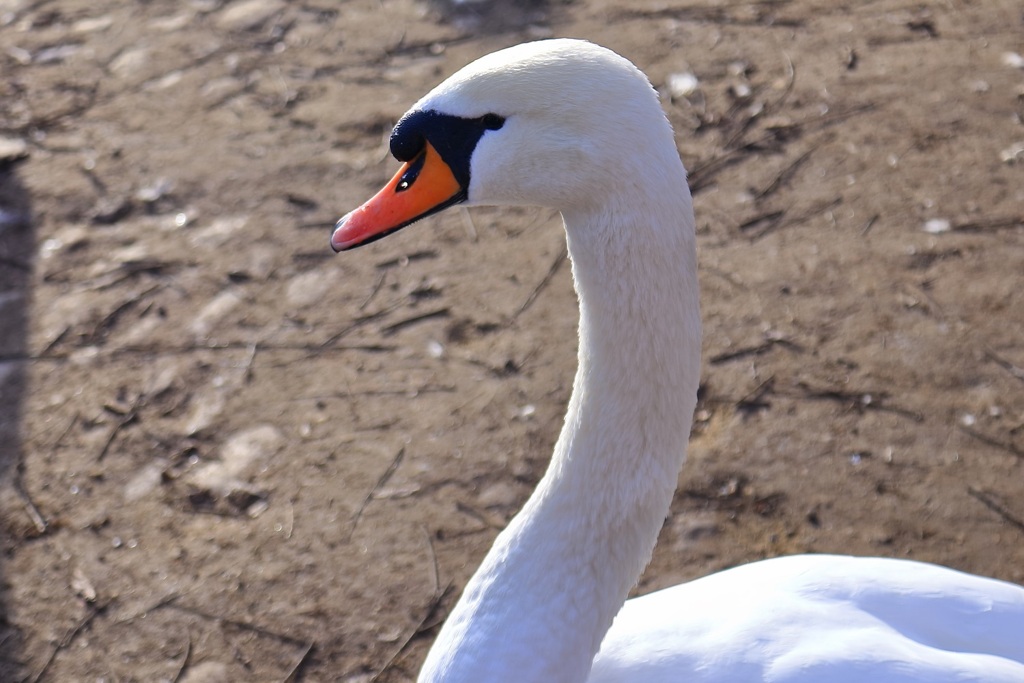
227 454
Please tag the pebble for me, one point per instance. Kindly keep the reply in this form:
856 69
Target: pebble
92 24
58 53
936 226
435 349
205 410
12 149
20 55
310 287
155 190
207 672
238 453
240 16
1013 59
129 62
682 84
218 232
500 494
82 586
170 23
213 312
145 481
1012 154
526 412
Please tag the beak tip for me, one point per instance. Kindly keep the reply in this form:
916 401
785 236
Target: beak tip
338 243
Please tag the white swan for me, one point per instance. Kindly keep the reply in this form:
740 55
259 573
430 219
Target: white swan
569 125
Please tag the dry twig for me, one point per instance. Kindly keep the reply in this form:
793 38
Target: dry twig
421 627
784 175
293 675
388 330
857 400
754 400
991 441
388 473
988 501
992 224
758 350
31 508
544 282
184 662
1005 364
776 221
95 610
243 625
357 323
126 418
376 288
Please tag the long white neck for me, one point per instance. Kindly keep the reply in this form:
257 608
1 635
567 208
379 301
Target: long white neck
541 602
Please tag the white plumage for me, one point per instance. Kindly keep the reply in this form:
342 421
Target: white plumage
584 133
816 618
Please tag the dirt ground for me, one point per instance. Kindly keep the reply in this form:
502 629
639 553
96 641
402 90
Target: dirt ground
228 454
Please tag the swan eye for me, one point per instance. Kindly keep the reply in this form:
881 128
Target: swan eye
410 176
492 121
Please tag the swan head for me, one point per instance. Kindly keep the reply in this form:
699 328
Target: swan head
560 123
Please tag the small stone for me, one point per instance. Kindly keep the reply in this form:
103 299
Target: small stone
82 586
154 191
20 55
12 149
129 62
1012 154
213 312
435 349
238 453
936 226
166 81
309 288
58 53
740 91
170 23
682 84
206 409
241 16
500 494
1013 60
526 412
207 672
144 482
92 24
219 232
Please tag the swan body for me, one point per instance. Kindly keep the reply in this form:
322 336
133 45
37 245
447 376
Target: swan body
573 126
817 618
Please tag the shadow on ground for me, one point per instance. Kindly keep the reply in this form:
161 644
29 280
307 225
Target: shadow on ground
17 517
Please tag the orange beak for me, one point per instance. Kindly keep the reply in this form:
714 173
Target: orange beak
421 187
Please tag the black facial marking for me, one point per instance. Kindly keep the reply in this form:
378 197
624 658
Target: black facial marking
453 137
492 121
